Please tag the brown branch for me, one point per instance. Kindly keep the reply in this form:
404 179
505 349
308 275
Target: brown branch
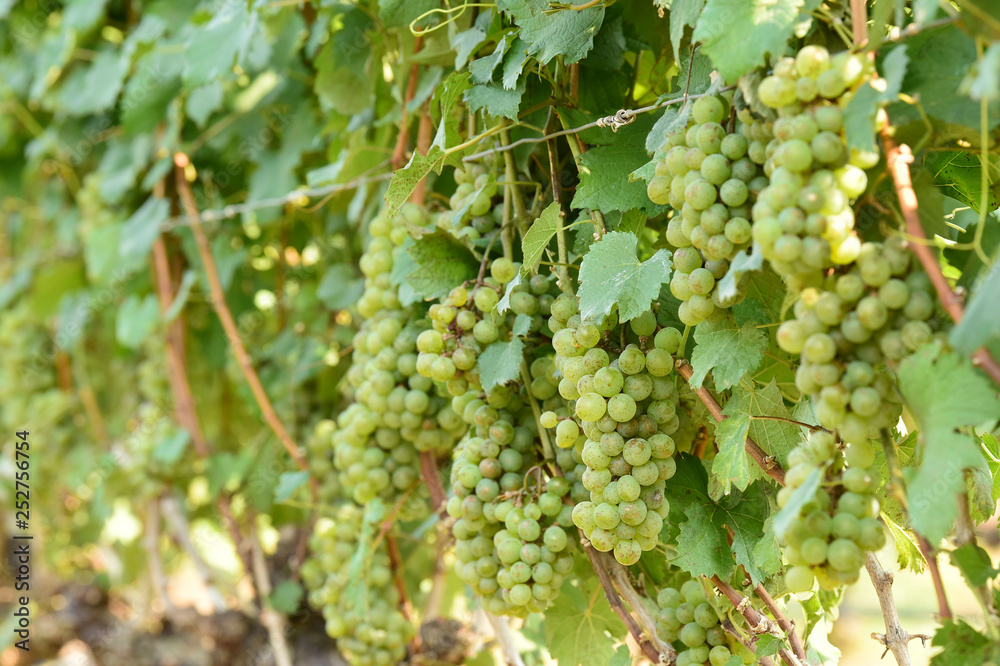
619 576
505 641
859 21
641 639
814 428
151 542
786 625
270 618
766 462
728 627
425 133
226 317
180 388
86 393
429 470
757 621
396 565
895 639
932 566
432 606
898 158
399 154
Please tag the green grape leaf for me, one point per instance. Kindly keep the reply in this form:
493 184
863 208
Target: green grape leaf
495 99
466 42
212 49
581 629
702 545
611 274
974 563
963 645
341 287
288 483
605 173
447 96
622 657
991 449
94 89
567 33
731 465
180 300
481 70
405 180
908 554
981 323
800 497
819 650
982 81
777 438
136 319
683 14
744 262
141 230
500 362
944 393
286 597
169 449
203 101
768 646
957 174
859 118
763 26
727 351
513 63
442 263
541 232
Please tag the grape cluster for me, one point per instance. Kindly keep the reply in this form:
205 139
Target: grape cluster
880 308
690 621
708 176
396 411
803 219
626 408
356 595
828 540
464 324
511 539
471 214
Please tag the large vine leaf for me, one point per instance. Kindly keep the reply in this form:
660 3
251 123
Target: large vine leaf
702 545
763 26
541 232
442 263
728 351
611 274
582 629
567 33
500 363
981 323
606 173
944 393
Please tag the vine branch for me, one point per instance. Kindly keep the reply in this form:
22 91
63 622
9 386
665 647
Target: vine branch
895 639
770 466
786 625
226 317
898 158
944 610
758 622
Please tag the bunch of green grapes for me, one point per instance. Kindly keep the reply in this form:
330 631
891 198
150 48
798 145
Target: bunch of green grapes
396 411
877 310
707 176
355 594
464 324
471 212
625 405
828 539
803 219
511 540
690 621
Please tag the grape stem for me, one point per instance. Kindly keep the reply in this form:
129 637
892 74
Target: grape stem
944 610
543 433
642 640
429 470
786 625
898 158
405 608
770 466
505 641
757 621
814 428
151 542
562 271
728 626
895 639
270 618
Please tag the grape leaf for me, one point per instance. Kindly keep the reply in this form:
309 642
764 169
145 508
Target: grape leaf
447 96
859 116
611 274
212 49
286 596
568 33
622 657
513 63
141 231
481 70
702 546
963 645
764 27
981 323
683 13
581 630
744 262
800 497
944 393
135 320
729 352
541 232
908 554
466 42
731 465
768 645
405 180
288 483
501 361
495 99
203 101
341 286
605 173
974 563
442 263
982 81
